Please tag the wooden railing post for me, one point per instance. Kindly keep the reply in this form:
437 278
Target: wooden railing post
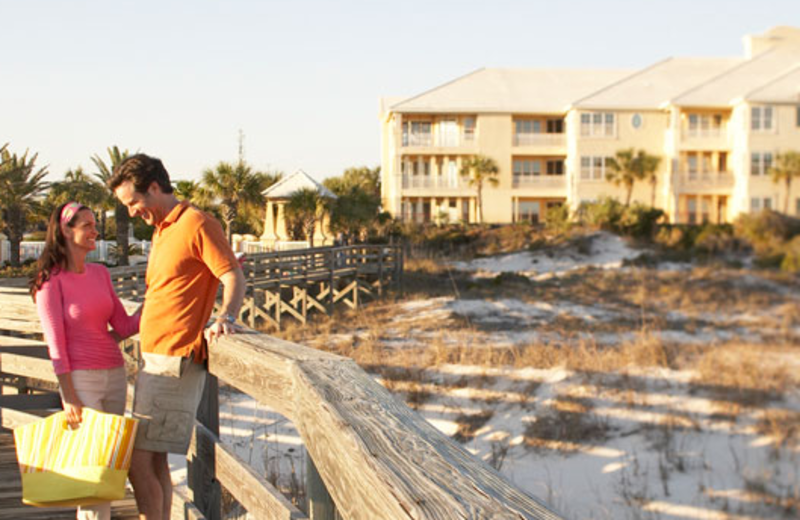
206 492
320 503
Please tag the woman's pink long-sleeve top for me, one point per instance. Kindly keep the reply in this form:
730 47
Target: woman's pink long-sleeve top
75 309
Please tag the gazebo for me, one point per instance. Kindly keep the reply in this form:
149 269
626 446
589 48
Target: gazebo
277 196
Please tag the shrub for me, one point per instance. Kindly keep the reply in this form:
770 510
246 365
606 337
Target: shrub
557 219
791 259
640 221
716 238
766 231
605 214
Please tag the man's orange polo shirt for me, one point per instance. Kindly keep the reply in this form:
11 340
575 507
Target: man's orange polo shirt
189 255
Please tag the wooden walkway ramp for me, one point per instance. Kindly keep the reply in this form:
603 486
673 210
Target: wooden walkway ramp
11 506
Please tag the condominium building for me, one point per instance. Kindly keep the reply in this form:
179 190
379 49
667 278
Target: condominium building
716 123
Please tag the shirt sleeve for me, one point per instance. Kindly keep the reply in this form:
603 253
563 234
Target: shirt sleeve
49 304
213 248
123 324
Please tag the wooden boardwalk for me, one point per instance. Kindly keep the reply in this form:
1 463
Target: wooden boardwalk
11 506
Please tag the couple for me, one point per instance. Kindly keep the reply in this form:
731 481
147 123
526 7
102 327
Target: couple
76 303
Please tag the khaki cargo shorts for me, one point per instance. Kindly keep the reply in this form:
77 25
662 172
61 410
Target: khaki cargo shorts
168 390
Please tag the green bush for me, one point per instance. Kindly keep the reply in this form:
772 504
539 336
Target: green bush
716 239
791 259
640 221
766 231
604 214
557 219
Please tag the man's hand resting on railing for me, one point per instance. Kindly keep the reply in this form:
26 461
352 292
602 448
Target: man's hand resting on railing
221 325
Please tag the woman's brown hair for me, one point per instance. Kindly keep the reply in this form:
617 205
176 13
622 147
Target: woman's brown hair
54 255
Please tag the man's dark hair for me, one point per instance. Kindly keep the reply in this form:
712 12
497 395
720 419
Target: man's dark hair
142 170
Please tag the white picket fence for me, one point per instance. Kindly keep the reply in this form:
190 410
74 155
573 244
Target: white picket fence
102 253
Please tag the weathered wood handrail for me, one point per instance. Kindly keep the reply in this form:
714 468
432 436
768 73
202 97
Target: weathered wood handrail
377 458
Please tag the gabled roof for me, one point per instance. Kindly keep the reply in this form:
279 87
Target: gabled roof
784 89
286 187
542 91
653 86
733 85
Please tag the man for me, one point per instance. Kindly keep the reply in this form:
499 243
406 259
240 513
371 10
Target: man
189 258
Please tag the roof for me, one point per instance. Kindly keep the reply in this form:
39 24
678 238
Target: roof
655 85
735 84
548 91
784 89
286 187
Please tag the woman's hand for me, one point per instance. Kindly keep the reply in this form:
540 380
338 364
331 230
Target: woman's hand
74 411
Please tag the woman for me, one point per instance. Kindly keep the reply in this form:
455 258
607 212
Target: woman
76 302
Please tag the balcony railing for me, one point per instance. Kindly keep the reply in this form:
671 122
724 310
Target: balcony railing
418 140
540 140
539 181
448 141
698 180
714 135
427 181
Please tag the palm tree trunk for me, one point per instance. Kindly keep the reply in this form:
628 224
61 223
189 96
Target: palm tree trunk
14 245
628 196
480 203
123 223
788 191
653 194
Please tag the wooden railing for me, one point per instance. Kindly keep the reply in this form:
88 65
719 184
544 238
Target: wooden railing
370 456
298 282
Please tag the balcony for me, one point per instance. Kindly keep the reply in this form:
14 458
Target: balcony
441 141
541 140
705 182
415 182
543 182
705 138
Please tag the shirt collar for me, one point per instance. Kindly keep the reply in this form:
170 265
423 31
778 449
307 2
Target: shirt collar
173 215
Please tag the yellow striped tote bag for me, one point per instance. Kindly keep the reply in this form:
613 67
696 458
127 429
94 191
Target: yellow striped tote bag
85 466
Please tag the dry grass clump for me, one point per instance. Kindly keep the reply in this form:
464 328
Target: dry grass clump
742 373
469 424
566 422
782 426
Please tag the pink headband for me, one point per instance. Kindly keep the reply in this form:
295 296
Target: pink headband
70 208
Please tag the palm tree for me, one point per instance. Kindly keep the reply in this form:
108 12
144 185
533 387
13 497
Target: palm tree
480 169
304 208
21 184
648 164
786 168
236 186
121 217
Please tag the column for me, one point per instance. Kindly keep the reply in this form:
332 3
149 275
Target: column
280 230
269 224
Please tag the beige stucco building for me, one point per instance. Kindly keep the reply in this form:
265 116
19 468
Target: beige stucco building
716 123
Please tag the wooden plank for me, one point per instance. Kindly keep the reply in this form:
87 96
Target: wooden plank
27 366
13 418
31 401
183 508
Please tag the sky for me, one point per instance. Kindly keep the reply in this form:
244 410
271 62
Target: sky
301 80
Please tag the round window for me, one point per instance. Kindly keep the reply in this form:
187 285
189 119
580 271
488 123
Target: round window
636 121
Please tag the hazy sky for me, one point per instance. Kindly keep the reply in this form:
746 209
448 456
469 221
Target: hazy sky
302 78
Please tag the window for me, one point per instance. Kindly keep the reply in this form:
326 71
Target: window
760 163
755 204
525 129
768 203
761 119
528 210
525 170
448 132
691 165
469 129
555 167
597 124
707 162
555 126
705 209
691 210
797 206
704 125
797 117
636 121
593 168
465 210
723 162
417 133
